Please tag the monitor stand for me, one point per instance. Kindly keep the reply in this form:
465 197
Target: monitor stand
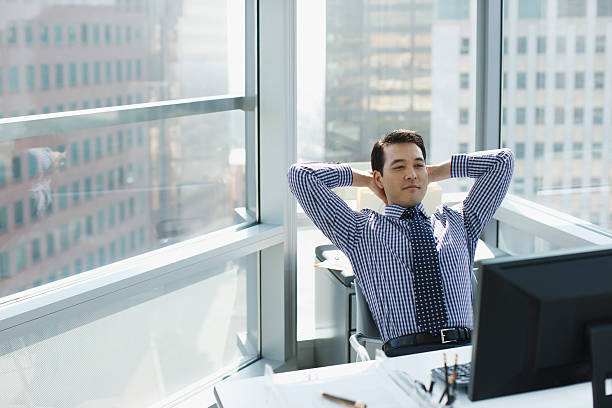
601 358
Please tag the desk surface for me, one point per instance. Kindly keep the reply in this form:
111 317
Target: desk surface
355 379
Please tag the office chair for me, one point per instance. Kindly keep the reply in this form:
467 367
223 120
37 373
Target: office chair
366 329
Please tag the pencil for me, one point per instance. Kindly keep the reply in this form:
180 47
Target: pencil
455 373
344 401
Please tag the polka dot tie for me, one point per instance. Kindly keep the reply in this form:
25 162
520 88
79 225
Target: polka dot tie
429 299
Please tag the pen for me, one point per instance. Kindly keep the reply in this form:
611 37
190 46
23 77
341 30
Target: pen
344 401
445 379
455 374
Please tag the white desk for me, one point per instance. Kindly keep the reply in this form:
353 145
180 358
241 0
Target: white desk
354 379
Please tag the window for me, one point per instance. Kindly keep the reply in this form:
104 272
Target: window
521 80
600 44
119 70
74 153
32 165
72 38
13 76
18 213
20 257
36 250
465 46
107 34
96 34
34 207
521 46
5 270
76 195
158 149
559 115
578 115
540 80
571 8
44 76
76 232
539 115
43 32
464 81
3 219
2 174
11 33
28 33
599 80
520 116
72 69
59 75
532 9
62 193
88 190
97 75
58 33
579 80
580 44
541 45
84 34
16 168
604 8
85 73
598 116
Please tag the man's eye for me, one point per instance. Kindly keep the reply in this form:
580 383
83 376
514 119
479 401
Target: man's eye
398 167
420 165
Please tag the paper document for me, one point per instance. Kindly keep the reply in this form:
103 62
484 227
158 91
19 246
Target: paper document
371 387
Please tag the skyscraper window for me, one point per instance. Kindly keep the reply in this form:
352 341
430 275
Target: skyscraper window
13 77
72 36
44 76
580 44
28 33
30 77
59 75
521 45
58 33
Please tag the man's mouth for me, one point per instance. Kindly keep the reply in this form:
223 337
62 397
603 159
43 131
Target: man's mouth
411 187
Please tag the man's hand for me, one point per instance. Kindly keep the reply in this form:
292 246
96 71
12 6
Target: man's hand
439 172
366 179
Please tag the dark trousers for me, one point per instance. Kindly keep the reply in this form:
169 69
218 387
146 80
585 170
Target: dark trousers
422 348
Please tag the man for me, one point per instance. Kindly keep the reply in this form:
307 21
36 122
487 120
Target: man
413 268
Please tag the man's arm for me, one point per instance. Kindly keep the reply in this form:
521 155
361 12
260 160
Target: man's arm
311 184
492 170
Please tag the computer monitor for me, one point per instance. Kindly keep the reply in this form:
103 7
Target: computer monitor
541 322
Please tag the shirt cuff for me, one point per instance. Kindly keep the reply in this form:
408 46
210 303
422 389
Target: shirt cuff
345 175
459 165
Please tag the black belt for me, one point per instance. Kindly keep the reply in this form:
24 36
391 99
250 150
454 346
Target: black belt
452 335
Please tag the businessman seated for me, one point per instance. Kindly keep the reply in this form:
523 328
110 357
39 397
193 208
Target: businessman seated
414 268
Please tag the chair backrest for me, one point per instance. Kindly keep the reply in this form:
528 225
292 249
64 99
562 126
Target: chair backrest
365 323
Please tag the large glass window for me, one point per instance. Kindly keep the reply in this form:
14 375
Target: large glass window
169 179
565 163
367 68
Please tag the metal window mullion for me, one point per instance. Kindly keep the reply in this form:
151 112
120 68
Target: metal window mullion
488 86
61 122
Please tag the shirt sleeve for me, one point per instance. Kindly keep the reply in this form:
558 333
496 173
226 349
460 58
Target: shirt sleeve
311 184
492 170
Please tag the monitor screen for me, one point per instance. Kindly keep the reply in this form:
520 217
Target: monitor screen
532 319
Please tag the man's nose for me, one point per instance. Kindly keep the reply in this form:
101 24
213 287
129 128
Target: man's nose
410 173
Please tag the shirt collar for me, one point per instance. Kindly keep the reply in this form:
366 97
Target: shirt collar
396 211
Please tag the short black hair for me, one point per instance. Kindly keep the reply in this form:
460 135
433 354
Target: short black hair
377 157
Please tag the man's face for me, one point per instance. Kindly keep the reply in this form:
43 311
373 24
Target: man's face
404 177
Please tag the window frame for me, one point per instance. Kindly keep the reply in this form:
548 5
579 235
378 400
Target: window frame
270 110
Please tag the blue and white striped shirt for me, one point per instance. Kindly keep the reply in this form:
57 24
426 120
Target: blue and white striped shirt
378 246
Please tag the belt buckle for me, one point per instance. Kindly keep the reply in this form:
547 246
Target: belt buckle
443 336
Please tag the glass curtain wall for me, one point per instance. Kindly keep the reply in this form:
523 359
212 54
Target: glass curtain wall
125 126
557 110
366 68
73 201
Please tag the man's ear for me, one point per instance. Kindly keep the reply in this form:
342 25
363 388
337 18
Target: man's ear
378 179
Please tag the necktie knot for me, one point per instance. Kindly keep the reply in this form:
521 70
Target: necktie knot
409 213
